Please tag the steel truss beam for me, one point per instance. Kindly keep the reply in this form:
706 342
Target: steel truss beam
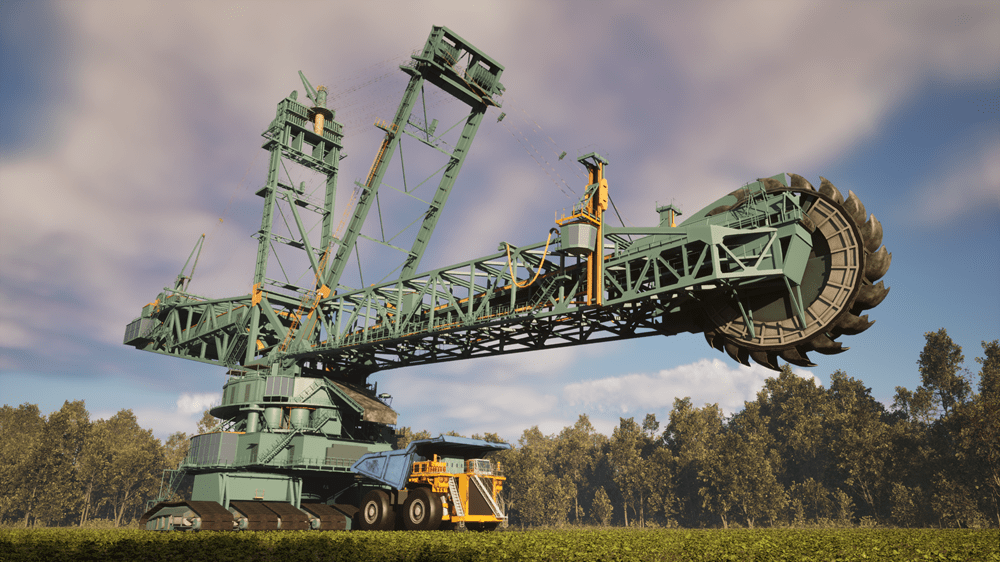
655 284
472 308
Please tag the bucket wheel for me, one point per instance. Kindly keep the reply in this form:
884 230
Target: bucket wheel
786 322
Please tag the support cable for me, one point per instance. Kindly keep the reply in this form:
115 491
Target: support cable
620 219
556 149
225 214
536 159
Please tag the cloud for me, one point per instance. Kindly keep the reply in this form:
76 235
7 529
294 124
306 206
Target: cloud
476 400
810 82
705 382
475 405
505 368
967 181
183 418
189 404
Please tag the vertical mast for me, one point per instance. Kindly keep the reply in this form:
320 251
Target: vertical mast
475 85
300 136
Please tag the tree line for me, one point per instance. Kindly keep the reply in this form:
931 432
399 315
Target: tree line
799 454
64 469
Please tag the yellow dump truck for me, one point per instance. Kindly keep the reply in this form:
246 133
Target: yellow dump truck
432 484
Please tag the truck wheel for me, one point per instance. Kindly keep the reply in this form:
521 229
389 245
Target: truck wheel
422 510
376 513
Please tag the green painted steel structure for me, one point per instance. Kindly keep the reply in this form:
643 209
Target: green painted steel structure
772 271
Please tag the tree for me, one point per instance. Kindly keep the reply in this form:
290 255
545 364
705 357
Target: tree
175 449
944 440
976 430
207 422
906 505
952 502
535 493
488 437
650 426
575 456
744 475
629 467
21 431
917 406
124 462
56 493
178 484
914 450
940 370
844 505
979 454
989 374
793 410
405 435
810 501
694 437
861 439
602 507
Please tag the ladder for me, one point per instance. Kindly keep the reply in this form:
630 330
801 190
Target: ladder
455 499
389 129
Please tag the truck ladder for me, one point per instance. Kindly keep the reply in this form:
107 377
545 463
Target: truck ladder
455 499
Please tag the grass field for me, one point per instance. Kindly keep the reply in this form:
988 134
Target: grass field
613 544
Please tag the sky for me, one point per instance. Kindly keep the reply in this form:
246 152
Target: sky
128 129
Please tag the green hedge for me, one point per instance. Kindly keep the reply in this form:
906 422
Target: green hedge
45 545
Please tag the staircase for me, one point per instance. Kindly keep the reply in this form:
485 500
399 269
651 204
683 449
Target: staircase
488 494
543 296
320 418
273 451
305 394
455 499
239 347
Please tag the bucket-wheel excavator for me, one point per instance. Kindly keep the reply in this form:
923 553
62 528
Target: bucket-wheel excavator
772 271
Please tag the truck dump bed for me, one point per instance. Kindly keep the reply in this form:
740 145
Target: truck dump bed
393 467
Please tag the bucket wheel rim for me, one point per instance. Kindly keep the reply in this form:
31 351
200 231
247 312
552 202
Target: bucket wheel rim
850 266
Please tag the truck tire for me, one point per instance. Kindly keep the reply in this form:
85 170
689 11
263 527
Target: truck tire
376 513
422 510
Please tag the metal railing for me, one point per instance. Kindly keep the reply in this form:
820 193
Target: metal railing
311 463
